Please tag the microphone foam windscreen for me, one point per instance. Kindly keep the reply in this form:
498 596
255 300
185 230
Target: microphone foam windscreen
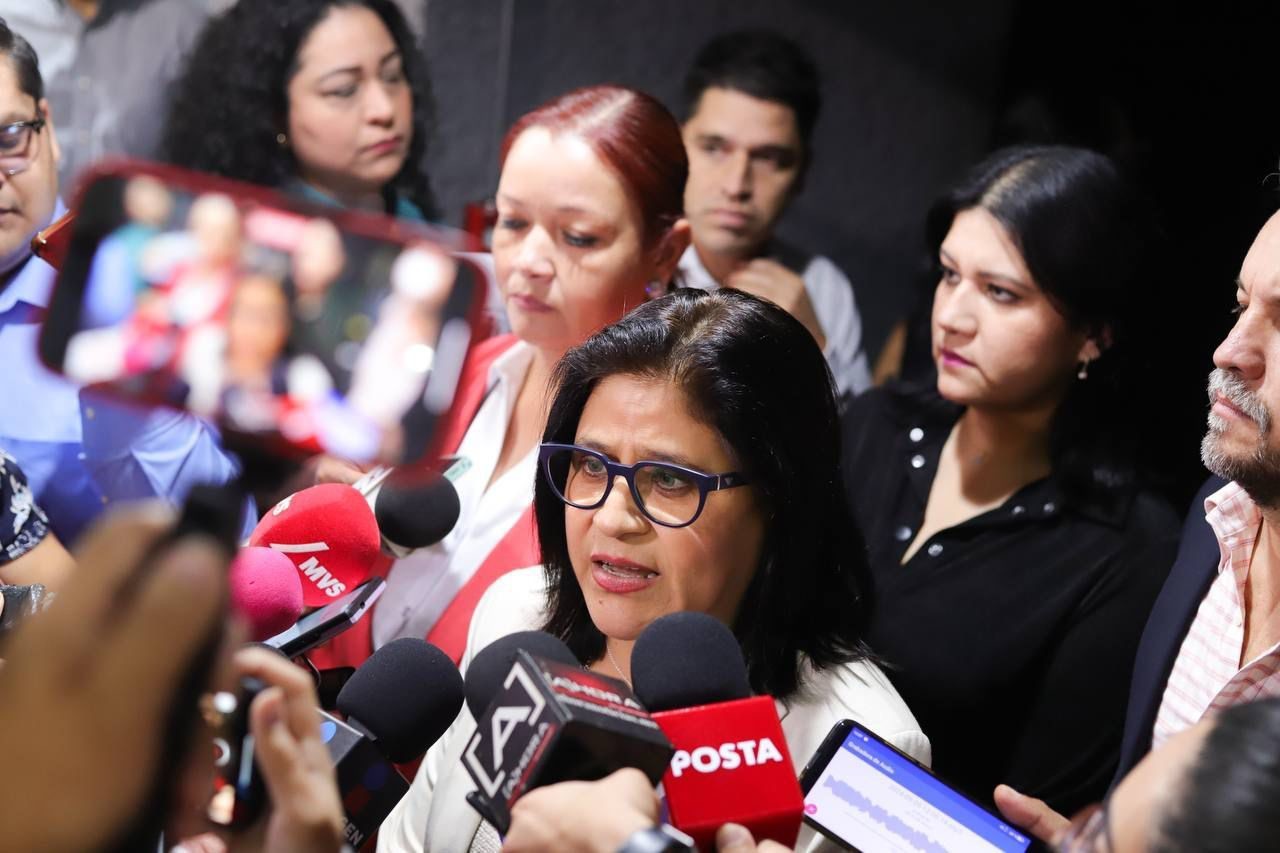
266 590
406 694
489 668
330 535
415 514
686 659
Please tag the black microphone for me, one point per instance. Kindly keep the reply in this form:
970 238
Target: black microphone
545 719
413 509
397 704
492 664
731 763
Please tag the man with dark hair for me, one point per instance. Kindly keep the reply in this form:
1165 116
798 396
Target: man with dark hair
79 452
752 99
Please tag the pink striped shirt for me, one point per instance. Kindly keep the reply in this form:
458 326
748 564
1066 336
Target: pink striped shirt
1207 675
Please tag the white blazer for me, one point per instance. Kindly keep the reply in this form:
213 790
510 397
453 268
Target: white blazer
434 815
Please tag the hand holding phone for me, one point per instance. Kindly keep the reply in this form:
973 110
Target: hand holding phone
868 796
294 803
90 685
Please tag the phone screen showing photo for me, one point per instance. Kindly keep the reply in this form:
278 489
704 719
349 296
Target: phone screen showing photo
305 329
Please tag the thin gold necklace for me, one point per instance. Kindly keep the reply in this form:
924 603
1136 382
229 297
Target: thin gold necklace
618 669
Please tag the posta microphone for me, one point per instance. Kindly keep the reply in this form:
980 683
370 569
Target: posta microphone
266 590
549 722
413 508
731 763
398 703
329 533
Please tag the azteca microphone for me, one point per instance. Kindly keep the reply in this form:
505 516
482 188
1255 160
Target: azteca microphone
491 665
731 763
545 720
398 703
266 590
330 535
414 508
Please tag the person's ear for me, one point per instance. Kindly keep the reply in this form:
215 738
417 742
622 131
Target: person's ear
669 249
1095 345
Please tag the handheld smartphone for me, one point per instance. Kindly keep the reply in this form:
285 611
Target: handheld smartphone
51 244
239 793
324 624
867 796
297 328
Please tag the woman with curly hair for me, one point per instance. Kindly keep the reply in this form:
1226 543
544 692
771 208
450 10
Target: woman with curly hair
326 98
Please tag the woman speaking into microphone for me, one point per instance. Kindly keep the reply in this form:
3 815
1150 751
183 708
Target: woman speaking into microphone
689 463
590 225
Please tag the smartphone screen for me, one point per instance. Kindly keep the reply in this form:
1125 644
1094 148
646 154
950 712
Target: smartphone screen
308 329
872 798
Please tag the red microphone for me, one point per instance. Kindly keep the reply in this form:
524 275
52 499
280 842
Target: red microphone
266 590
330 535
731 763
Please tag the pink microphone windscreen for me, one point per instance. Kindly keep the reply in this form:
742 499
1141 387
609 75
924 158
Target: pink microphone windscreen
266 590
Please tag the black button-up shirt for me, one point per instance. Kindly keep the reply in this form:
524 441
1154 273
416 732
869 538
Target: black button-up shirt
1011 636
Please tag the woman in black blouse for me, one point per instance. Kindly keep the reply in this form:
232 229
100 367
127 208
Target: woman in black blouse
1015 546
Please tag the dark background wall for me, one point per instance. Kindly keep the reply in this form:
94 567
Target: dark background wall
914 92
909 93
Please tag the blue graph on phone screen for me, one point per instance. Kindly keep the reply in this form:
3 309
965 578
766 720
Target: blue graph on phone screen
876 801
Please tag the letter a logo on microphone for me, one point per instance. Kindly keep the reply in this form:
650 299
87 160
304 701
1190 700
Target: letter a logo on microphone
512 714
504 723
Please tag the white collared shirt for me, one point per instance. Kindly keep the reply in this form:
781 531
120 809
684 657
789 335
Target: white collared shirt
422 585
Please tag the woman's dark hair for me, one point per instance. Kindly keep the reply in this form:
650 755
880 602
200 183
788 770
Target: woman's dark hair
754 373
1226 802
1091 244
25 62
231 101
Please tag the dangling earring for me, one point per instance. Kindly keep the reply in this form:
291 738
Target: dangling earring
654 289
281 139
1083 373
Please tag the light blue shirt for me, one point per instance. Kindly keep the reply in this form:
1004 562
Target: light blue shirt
82 452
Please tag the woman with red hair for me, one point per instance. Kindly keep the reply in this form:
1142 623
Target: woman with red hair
590 224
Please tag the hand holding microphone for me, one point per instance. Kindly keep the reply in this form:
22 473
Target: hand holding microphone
328 780
616 813
583 817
